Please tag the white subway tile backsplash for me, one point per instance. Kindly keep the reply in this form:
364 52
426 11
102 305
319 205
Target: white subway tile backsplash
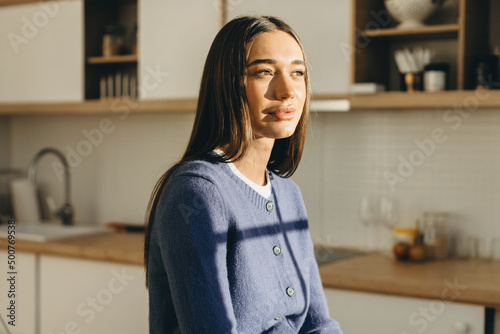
455 170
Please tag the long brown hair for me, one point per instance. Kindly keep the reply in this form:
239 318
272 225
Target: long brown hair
222 119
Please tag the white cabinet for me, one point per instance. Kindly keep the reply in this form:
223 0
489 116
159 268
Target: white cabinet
41 52
322 25
174 39
24 289
380 314
94 297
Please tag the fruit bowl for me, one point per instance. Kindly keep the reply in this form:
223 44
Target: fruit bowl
411 13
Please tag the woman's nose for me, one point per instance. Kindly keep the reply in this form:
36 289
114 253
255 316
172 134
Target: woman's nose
284 88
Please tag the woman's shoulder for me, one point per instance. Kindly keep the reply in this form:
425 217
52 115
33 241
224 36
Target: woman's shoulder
284 182
200 170
193 181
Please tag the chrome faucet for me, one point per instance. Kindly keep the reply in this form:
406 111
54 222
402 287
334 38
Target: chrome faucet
65 213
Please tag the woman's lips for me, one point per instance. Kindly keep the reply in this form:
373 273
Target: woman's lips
283 113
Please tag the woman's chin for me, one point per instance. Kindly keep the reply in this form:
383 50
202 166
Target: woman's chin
283 133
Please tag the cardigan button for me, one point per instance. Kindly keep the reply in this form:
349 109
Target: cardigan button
290 291
277 250
269 206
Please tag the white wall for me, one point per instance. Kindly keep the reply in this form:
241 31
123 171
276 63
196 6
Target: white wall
114 180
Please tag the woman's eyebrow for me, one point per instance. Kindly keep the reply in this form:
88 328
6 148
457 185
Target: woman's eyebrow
273 61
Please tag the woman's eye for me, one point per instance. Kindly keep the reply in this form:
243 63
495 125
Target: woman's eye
298 73
263 72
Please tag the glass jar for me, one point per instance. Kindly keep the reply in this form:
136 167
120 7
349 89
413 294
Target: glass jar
113 40
403 240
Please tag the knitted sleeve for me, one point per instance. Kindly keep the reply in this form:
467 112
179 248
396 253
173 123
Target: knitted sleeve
192 237
318 320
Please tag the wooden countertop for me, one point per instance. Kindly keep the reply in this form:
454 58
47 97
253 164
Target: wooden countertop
452 280
115 247
462 281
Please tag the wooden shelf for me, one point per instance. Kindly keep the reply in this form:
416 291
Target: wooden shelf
15 2
482 99
433 31
99 107
113 59
421 100
465 28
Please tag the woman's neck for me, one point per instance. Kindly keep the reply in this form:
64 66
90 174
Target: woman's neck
253 164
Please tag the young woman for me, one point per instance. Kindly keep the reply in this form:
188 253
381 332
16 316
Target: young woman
227 247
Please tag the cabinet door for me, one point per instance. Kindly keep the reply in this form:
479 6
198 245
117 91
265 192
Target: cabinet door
323 27
41 52
174 39
25 301
379 314
94 297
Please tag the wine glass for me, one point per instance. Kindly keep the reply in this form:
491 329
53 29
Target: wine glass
388 212
368 215
388 219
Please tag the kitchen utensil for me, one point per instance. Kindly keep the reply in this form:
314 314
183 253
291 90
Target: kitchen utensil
401 62
410 66
410 60
410 82
418 54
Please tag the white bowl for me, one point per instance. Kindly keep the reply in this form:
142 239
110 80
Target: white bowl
411 13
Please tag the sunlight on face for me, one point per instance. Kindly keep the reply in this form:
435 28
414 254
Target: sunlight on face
275 84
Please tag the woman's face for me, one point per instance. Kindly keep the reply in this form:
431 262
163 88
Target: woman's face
275 84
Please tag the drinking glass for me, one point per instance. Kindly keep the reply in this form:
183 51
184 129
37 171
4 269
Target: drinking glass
388 219
485 247
368 214
464 247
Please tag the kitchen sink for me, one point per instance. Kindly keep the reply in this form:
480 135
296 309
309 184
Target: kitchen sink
47 232
325 255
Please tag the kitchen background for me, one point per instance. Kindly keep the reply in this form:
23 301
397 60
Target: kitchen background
117 156
346 156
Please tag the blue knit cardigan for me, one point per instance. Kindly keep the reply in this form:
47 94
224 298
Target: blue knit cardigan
224 259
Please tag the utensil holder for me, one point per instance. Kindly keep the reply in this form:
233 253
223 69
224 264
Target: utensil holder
410 82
